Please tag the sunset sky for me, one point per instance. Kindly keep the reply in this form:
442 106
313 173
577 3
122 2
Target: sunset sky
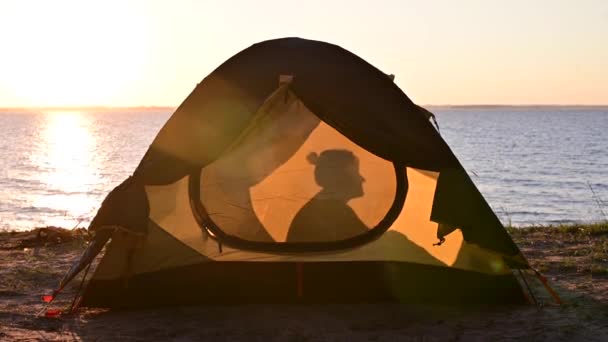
132 53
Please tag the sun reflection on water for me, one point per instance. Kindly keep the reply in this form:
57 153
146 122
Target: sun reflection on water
66 155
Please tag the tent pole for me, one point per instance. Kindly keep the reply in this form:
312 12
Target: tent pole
299 279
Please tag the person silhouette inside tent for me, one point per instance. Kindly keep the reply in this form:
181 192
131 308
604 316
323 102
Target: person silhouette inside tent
327 216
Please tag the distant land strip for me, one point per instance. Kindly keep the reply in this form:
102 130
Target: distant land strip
525 106
172 108
88 109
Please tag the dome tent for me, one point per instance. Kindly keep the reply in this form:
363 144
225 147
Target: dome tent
298 172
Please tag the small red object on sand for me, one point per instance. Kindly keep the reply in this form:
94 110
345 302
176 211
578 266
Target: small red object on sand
47 298
53 313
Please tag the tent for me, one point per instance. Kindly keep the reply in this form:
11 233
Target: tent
298 172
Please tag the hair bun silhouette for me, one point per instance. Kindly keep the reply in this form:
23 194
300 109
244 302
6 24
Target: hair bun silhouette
313 158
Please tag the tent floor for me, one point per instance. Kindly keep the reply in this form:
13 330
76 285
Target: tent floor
290 282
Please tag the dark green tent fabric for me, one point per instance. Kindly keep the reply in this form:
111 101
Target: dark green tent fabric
352 96
236 152
341 88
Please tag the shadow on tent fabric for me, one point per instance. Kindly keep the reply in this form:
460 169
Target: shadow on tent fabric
327 216
397 244
269 142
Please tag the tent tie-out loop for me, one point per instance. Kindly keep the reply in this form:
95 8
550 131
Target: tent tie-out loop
523 278
440 242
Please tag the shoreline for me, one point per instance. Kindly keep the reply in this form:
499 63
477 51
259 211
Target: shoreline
573 257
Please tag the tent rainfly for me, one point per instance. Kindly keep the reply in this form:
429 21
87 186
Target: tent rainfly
298 172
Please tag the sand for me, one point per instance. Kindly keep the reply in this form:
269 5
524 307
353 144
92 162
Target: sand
575 261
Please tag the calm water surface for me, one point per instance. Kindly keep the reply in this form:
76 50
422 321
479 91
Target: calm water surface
533 165
57 167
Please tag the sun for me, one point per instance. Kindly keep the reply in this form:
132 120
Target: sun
75 53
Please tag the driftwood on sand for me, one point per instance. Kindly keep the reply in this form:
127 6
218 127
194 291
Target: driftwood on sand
41 237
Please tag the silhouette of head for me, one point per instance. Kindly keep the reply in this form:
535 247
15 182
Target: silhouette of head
337 172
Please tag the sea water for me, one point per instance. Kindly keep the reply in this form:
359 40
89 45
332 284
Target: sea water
534 165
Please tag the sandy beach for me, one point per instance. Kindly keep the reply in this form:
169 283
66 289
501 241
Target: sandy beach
574 258
255 163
